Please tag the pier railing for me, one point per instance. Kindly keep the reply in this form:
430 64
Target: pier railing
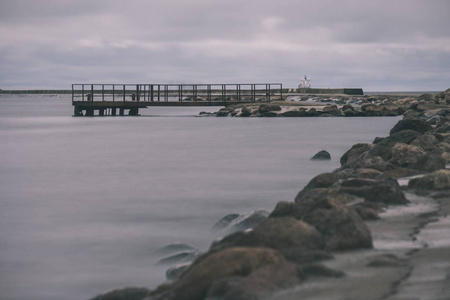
178 92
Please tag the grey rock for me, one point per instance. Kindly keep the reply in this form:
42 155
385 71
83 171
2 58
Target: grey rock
322 155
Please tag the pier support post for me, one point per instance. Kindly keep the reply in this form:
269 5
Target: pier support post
77 111
89 112
122 111
134 111
113 111
101 112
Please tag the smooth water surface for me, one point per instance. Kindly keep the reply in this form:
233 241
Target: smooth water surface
85 202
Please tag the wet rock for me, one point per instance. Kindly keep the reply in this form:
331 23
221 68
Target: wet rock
438 180
367 173
173 273
285 234
237 261
323 180
294 113
173 248
265 108
259 283
426 97
430 162
367 210
348 107
322 155
404 136
132 293
224 222
205 114
341 227
317 270
352 155
427 142
246 112
312 112
387 191
358 182
326 210
416 125
404 155
269 114
248 221
178 258
332 109
350 113
321 196
386 260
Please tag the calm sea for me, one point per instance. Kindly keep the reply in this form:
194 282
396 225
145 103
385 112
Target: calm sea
85 202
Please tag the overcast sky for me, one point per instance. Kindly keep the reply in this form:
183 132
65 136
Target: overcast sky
374 44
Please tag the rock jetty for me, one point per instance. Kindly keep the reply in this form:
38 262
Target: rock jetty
334 106
330 228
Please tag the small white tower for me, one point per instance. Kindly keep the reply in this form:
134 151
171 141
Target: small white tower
304 83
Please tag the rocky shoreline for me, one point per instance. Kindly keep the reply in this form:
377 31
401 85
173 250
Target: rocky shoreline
375 228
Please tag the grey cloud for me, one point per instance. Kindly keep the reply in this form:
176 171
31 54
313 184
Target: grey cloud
372 44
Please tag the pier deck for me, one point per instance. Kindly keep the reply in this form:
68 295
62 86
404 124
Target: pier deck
126 99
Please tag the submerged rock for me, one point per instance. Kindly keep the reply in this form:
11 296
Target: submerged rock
174 247
240 222
178 258
225 222
132 293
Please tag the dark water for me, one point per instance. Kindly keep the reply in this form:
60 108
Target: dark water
86 201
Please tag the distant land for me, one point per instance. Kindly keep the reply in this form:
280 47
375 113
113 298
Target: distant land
54 91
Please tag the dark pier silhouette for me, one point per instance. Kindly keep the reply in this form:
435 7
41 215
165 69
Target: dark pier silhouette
127 99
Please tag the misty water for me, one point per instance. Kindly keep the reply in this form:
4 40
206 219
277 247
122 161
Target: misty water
85 202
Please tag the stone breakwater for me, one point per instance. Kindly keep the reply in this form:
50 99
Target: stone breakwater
331 105
331 220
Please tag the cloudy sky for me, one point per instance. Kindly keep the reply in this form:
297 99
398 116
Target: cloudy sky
379 45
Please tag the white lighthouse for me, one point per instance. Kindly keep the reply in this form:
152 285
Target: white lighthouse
304 83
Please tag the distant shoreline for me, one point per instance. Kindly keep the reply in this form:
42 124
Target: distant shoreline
55 91
19 92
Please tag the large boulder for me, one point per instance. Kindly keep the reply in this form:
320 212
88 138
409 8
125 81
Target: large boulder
323 180
236 261
294 113
416 125
342 227
430 162
404 155
332 109
427 142
326 210
265 108
258 284
286 234
387 192
439 180
353 155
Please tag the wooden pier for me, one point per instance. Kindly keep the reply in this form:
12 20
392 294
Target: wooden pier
127 99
